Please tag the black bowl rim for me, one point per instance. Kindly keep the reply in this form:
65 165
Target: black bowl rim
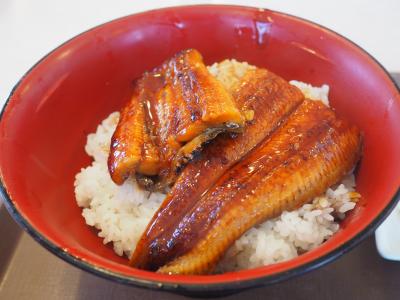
189 288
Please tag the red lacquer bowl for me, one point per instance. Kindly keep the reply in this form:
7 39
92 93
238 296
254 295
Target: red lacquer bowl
64 96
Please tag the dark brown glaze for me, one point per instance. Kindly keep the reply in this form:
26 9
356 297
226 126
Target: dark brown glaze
131 145
182 103
311 152
160 109
190 103
272 99
208 104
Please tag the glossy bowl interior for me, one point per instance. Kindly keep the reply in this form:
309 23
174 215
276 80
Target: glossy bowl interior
61 99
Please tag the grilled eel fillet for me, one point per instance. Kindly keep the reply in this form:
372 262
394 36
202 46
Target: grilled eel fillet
310 152
132 148
272 99
174 110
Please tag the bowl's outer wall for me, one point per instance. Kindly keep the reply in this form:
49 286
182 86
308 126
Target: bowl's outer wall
45 123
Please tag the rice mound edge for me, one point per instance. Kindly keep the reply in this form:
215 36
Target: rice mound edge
121 213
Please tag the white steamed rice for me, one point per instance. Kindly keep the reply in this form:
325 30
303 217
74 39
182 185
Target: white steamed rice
121 213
